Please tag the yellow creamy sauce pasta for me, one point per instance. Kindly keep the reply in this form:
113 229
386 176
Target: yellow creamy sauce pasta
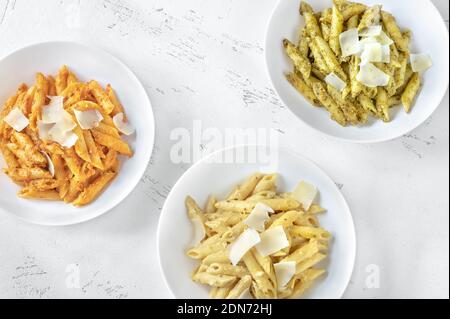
256 211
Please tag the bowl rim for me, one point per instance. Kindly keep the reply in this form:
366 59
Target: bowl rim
353 249
442 25
147 152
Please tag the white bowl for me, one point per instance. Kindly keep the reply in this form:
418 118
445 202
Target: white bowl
430 36
175 230
88 63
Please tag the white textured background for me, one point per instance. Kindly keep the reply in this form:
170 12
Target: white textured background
203 59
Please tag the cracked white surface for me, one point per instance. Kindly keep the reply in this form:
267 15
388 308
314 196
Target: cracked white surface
204 60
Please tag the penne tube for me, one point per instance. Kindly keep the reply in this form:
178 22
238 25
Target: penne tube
118 108
312 26
44 185
219 293
302 88
210 207
310 232
382 105
94 189
301 63
259 276
28 193
240 288
329 57
227 269
28 174
112 143
371 17
93 150
303 253
286 219
319 59
390 24
303 44
101 97
303 285
309 263
337 27
81 147
218 257
202 251
61 80
107 130
243 191
219 281
326 100
410 92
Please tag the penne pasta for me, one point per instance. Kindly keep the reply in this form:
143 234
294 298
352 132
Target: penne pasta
231 268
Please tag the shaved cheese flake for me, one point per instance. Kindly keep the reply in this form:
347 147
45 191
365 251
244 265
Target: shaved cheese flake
258 217
371 76
43 130
305 194
420 62
335 81
384 39
368 40
272 241
52 113
66 123
349 41
17 120
372 52
88 119
372 31
70 140
386 54
123 126
242 245
199 231
284 272
65 139
51 166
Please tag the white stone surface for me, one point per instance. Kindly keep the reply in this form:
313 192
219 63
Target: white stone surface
204 60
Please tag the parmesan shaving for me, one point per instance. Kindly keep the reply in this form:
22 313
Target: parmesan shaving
51 166
17 120
52 113
386 54
258 217
372 52
43 130
349 41
305 194
272 241
65 122
242 245
420 62
371 76
65 139
88 119
123 126
335 81
284 272
384 39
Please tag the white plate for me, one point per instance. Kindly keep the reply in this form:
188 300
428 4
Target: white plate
430 36
175 231
88 63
